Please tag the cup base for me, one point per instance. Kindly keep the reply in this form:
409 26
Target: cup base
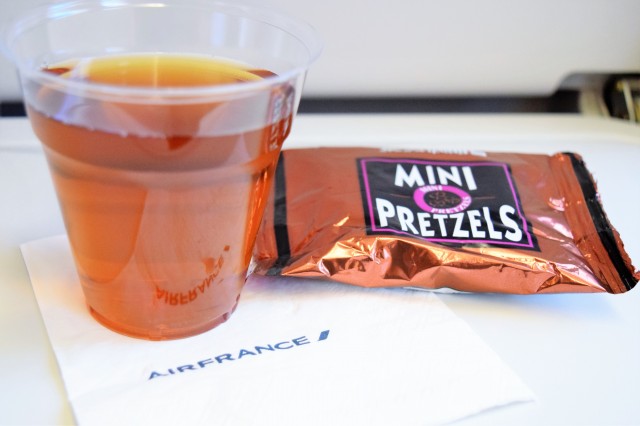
161 333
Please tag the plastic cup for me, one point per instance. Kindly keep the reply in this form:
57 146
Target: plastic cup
161 159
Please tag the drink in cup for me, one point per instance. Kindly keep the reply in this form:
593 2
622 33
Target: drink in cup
162 124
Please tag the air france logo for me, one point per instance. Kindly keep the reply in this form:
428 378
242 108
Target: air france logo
444 202
238 355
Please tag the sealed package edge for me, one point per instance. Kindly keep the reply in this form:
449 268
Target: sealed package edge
481 222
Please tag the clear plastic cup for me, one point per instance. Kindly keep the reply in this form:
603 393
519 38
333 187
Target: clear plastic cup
162 123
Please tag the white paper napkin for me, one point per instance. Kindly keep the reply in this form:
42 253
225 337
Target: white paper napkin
294 352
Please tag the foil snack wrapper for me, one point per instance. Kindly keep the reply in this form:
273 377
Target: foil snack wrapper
489 222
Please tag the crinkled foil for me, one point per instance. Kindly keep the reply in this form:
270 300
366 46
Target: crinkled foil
495 222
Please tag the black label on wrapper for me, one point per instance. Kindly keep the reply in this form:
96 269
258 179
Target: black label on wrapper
447 202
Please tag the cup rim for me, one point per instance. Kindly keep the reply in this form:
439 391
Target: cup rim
304 32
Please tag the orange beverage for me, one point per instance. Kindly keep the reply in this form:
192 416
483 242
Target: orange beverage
161 201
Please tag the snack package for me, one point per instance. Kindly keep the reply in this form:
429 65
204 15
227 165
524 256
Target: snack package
474 222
